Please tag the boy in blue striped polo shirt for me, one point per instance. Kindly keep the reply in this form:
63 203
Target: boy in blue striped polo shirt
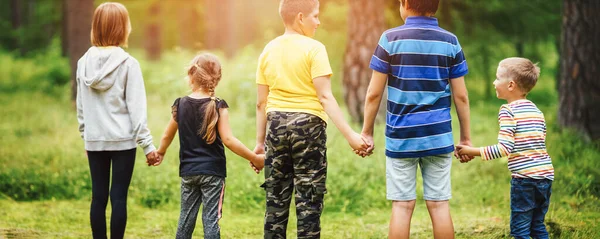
423 66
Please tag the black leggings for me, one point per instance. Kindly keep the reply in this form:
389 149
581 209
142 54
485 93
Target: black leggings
122 169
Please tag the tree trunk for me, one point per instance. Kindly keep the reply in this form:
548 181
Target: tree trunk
79 26
219 28
366 23
579 88
152 40
16 20
189 29
64 43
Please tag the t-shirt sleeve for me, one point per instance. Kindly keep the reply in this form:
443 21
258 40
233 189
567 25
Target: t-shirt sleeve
174 109
260 76
320 63
458 66
380 61
222 104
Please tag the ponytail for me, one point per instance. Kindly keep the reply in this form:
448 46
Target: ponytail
208 129
205 72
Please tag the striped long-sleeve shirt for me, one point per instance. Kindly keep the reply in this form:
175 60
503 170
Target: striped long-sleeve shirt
522 139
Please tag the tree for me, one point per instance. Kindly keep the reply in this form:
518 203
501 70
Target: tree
366 23
219 20
152 41
79 25
189 30
579 89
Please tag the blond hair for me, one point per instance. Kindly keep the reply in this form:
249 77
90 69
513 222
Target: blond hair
205 72
110 25
521 70
289 9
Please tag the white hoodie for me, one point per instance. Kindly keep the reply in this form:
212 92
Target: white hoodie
111 101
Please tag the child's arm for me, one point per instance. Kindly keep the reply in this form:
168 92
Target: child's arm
331 107
261 118
234 144
506 139
135 97
79 103
461 100
166 140
372 102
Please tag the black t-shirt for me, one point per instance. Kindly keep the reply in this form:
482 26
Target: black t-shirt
196 156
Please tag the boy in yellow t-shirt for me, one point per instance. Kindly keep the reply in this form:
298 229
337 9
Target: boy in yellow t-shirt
294 102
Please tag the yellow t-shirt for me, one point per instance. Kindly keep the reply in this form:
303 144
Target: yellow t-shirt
288 65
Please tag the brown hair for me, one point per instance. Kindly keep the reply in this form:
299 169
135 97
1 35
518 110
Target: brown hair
524 72
110 25
205 72
289 9
421 7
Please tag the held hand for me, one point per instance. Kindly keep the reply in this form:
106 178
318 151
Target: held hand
159 159
465 153
258 163
464 157
368 139
151 158
254 168
457 153
357 143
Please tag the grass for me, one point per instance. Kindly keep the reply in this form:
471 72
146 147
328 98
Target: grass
45 185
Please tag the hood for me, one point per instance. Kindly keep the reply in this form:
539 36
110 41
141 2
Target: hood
98 64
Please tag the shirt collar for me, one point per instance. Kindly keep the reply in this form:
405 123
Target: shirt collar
421 20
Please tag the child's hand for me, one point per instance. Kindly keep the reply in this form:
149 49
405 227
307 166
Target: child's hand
259 149
357 142
466 153
151 158
159 158
258 163
368 139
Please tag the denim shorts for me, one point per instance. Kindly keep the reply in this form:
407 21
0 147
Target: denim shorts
401 177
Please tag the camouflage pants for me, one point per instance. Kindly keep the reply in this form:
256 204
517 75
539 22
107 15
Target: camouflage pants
295 158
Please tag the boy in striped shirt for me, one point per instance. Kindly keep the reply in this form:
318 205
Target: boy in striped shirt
522 139
423 68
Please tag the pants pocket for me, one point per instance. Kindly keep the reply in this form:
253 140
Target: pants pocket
314 192
522 198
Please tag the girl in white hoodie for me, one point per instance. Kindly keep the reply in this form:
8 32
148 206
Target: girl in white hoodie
111 111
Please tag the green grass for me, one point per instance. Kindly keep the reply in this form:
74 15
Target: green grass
45 185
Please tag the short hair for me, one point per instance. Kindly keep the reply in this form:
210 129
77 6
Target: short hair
521 70
110 25
289 9
422 7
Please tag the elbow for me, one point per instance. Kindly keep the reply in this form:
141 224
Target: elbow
372 97
461 99
165 138
227 141
325 98
261 105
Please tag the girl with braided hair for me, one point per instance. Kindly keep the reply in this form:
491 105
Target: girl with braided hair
203 123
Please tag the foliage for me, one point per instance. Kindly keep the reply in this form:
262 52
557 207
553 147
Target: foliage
43 71
40 22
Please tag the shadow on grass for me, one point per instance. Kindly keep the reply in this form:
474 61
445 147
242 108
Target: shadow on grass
18 233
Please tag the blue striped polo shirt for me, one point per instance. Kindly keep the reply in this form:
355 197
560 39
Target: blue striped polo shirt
420 58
